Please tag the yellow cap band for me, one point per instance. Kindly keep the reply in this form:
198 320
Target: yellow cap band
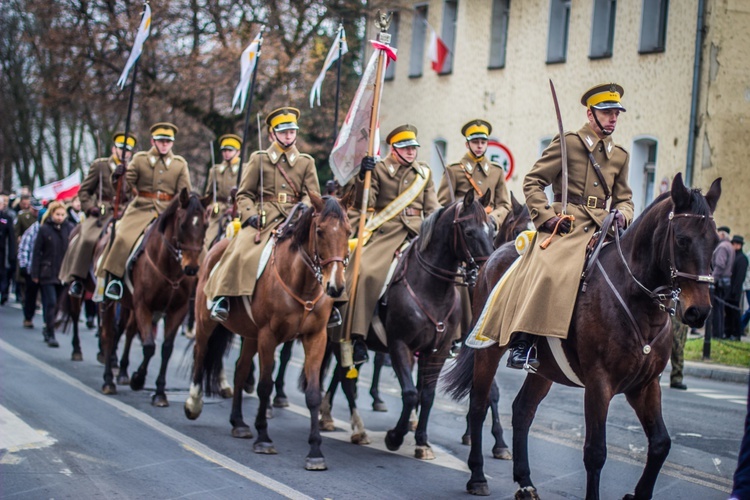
162 132
230 142
603 97
283 118
118 141
403 136
477 129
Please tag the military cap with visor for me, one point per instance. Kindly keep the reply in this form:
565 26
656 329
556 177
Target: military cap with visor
403 136
283 119
476 129
119 141
163 131
230 141
604 96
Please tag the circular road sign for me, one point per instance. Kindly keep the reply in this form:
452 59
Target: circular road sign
499 153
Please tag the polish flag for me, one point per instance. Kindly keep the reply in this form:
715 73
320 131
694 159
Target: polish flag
60 190
438 51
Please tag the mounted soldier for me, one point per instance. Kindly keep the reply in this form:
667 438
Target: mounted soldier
157 176
221 179
402 195
539 295
96 194
273 182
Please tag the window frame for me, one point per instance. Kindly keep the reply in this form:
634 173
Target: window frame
564 25
648 9
603 28
503 34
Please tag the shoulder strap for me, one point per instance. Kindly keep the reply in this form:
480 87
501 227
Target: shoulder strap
291 184
471 180
598 170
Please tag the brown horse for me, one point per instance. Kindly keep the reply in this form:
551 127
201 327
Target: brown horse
618 341
163 278
293 299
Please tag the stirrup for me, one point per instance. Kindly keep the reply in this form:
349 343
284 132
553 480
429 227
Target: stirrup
220 310
455 348
76 289
334 319
114 289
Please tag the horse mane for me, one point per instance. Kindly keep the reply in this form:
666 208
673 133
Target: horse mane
698 205
194 203
425 232
299 230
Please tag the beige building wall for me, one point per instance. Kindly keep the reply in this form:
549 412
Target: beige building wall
516 99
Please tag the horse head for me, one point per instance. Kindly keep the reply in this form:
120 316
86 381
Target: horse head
184 225
473 233
517 221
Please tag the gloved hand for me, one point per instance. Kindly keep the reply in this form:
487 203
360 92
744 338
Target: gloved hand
620 220
549 225
119 172
493 223
93 212
368 164
233 194
251 221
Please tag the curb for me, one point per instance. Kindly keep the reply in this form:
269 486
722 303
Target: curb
717 372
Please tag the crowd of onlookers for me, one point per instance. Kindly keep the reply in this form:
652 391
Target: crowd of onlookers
33 239
731 286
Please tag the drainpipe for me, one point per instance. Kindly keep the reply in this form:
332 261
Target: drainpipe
693 132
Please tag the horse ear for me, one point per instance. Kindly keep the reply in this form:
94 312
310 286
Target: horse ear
184 197
206 201
485 199
348 199
517 207
469 198
712 197
680 194
317 201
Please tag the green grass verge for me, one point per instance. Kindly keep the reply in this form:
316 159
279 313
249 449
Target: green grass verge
724 352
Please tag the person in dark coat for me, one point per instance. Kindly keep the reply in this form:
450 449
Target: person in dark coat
49 249
733 326
7 252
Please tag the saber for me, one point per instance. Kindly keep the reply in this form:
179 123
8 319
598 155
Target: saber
563 149
445 173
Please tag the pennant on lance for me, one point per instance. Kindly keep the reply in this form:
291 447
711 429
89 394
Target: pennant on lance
338 49
143 31
247 64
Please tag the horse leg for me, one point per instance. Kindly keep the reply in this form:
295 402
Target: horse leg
533 391
596 404
402 360
428 373
315 346
377 403
266 347
108 345
281 401
75 315
647 406
171 325
500 450
122 376
148 331
249 383
241 368
326 419
194 403
485 366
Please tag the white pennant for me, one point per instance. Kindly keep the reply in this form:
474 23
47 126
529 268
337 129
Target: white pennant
333 55
143 31
247 64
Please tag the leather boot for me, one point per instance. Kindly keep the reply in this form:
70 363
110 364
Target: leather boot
76 289
334 319
220 310
522 352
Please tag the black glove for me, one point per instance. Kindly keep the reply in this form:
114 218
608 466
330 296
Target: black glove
549 226
620 220
368 164
119 172
251 221
93 212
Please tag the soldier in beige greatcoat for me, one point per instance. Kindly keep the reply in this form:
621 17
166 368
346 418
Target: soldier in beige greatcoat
96 195
157 176
539 296
288 176
396 175
221 179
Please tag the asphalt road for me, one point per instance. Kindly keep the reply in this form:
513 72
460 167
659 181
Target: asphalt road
61 438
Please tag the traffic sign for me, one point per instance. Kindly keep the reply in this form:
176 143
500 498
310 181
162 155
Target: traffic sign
499 153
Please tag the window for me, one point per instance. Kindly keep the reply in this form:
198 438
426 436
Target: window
418 35
603 29
557 40
448 33
499 33
435 164
390 70
643 172
653 26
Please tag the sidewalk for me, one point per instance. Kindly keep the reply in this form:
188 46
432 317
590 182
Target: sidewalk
714 371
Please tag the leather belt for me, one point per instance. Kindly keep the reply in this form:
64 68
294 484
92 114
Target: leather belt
159 195
411 212
287 198
588 202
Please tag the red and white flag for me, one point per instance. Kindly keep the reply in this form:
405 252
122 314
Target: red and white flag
60 190
438 51
354 137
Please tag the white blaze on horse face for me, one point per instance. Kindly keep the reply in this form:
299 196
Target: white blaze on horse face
195 220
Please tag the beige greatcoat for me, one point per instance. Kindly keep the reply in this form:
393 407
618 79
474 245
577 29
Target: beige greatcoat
487 175
389 179
78 257
225 176
147 172
235 274
540 295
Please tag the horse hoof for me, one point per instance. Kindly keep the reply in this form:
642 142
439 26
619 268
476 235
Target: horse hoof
159 400
137 382
327 425
466 440
264 449
249 388
502 454
242 432
76 356
315 464
192 414
109 389
226 392
280 402
123 379
526 493
424 453
392 442
379 406
478 489
360 438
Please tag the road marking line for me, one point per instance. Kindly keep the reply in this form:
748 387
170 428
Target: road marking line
18 435
186 442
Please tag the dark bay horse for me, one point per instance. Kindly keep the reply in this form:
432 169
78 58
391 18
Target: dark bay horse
163 277
421 311
293 299
618 341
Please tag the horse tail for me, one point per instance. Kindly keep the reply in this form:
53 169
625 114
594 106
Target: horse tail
459 378
218 346
63 310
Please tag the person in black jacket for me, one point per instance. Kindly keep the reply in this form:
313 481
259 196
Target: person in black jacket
49 249
733 326
7 251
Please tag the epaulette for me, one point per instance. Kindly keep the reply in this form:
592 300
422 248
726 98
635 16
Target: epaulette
622 148
495 164
305 155
178 157
139 154
103 159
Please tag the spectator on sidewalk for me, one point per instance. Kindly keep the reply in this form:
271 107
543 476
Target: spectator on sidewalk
679 337
721 263
741 485
30 289
733 328
746 288
7 250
